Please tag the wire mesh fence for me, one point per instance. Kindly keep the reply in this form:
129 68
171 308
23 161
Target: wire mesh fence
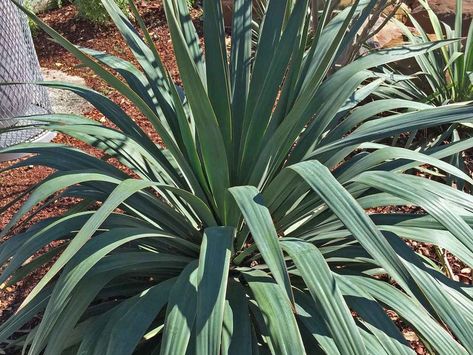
18 64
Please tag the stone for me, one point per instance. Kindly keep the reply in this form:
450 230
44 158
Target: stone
401 13
344 3
389 36
63 101
445 11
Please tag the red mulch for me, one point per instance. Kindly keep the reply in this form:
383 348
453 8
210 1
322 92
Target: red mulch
107 38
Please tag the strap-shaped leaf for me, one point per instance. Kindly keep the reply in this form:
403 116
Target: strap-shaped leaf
240 65
421 192
257 120
186 139
281 142
213 151
214 264
135 79
259 221
408 309
116 115
236 321
354 217
267 43
91 254
117 84
392 125
54 184
377 321
216 64
368 111
107 269
20 248
283 331
123 191
180 313
310 318
386 153
190 35
447 298
117 145
151 64
129 321
61 157
68 316
24 315
324 290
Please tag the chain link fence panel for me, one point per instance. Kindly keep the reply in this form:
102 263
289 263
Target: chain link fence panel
18 64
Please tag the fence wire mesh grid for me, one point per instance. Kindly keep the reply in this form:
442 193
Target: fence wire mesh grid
18 64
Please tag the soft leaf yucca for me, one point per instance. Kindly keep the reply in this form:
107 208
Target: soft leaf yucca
445 75
247 232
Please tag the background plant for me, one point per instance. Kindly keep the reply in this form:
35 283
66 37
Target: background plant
94 11
247 233
445 74
32 25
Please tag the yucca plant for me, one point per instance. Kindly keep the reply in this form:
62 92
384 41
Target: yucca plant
247 232
446 75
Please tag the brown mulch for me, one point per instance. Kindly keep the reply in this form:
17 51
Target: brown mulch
106 38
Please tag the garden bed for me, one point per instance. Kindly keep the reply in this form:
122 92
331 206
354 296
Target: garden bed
107 38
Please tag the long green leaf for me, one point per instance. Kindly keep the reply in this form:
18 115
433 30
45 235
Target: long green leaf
214 154
259 221
277 312
323 288
352 215
181 311
214 264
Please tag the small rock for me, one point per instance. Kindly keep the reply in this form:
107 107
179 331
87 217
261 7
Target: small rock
445 11
389 36
411 336
63 101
